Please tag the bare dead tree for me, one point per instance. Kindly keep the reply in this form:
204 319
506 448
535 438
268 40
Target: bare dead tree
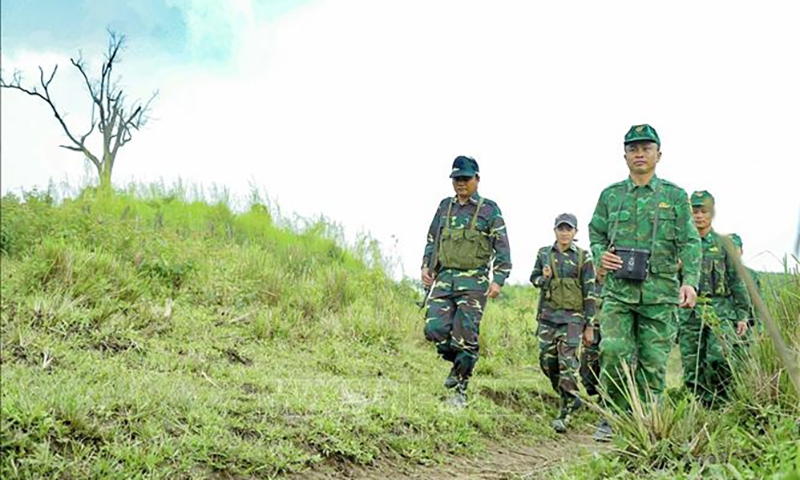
114 120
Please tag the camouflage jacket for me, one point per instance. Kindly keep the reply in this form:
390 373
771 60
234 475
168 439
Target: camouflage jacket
598 292
719 282
757 280
567 265
676 239
490 222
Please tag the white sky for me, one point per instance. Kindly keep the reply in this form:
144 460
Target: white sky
356 109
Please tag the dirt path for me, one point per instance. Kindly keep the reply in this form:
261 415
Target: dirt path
498 462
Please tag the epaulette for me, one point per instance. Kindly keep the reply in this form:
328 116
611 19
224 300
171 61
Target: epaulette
675 188
491 203
615 185
668 183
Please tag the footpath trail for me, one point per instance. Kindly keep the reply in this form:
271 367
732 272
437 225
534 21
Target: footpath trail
497 462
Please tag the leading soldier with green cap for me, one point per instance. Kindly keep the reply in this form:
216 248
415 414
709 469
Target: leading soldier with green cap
712 333
641 228
565 274
467 260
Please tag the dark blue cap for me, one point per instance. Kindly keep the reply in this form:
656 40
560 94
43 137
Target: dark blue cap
567 218
464 167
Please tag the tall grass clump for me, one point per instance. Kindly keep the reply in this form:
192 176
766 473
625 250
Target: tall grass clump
754 434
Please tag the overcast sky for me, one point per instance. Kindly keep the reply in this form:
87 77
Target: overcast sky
356 109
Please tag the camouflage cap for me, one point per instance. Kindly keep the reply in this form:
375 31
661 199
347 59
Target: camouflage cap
464 167
567 218
702 198
642 133
736 239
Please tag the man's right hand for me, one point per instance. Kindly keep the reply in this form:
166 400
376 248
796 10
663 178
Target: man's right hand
547 272
427 278
610 261
741 328
687 296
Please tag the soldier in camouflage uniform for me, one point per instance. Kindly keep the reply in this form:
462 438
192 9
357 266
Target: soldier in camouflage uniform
737 242
590 352
641 228
468 240
712 333
565 275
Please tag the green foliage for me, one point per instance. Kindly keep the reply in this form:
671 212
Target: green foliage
147 334
151 334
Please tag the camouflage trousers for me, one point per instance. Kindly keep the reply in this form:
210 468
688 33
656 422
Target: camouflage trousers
590 364
453 323
558 354
643 332
709 355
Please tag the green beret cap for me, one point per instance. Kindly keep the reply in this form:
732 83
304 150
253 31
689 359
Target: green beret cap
702 198
642 133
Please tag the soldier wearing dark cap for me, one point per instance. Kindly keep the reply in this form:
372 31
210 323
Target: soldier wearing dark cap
641 228
712 334
467 260
565 274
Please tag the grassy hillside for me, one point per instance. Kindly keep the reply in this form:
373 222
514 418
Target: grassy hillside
153 336
147 336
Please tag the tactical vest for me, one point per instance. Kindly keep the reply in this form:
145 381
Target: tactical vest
566 293
464 248
713 278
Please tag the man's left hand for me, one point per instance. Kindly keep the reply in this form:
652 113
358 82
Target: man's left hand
493 291
588 335
600 275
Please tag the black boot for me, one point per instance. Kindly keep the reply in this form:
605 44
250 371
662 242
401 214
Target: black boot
452 378
459 400
568 404
604 432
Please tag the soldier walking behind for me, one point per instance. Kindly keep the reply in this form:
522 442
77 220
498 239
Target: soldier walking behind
641 227
467 260
754 322
565 275
712 335
590 352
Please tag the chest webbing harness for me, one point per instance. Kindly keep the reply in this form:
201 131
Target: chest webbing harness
464 248
566 293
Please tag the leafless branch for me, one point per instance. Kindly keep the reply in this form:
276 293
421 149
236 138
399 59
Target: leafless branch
70 147
16 83
109 114
81 66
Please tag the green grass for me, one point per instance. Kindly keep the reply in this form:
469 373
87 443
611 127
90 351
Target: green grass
158 337
152 334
